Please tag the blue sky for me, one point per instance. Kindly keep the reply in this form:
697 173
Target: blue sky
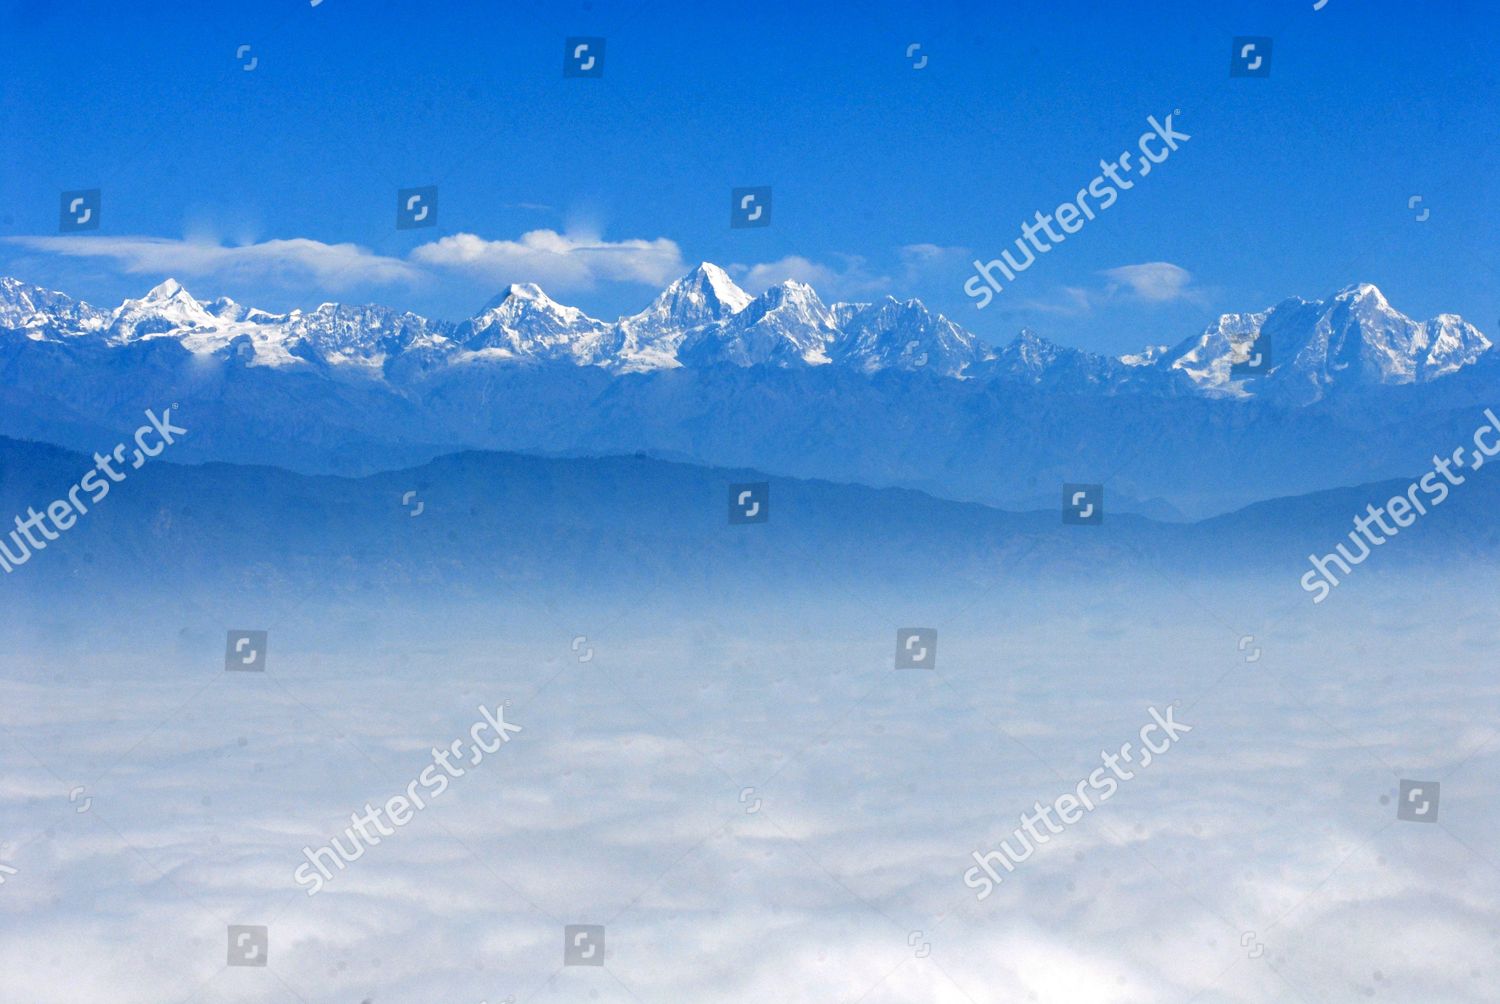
886 178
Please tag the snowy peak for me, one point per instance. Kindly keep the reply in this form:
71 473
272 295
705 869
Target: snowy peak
166 308
787 325
169 289
902 335
1296 352
44 313
1035 361
704 295
525 323
336 333
1302 350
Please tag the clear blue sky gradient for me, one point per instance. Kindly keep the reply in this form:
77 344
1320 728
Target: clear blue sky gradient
1292 185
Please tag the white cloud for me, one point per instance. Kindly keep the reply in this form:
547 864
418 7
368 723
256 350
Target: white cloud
299 260
554 260
1071 301
924 259
1156 281
851 280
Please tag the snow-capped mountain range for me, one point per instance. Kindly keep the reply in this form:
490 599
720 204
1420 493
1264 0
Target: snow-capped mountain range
1354 338
890 393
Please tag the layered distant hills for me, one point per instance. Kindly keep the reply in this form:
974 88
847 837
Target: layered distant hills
1340 391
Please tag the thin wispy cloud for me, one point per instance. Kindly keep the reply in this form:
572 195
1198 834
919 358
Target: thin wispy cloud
554 260
567 261
297 261
1069 301
1155 281
1152 283
849 280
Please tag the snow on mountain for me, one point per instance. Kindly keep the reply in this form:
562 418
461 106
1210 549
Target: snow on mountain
650 339
1353 339
525 323
1206 359
1146 357
43 312
787 325
338 334
1035 361
902 335
166 309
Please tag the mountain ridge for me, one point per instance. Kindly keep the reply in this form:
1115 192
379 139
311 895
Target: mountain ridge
1351 339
